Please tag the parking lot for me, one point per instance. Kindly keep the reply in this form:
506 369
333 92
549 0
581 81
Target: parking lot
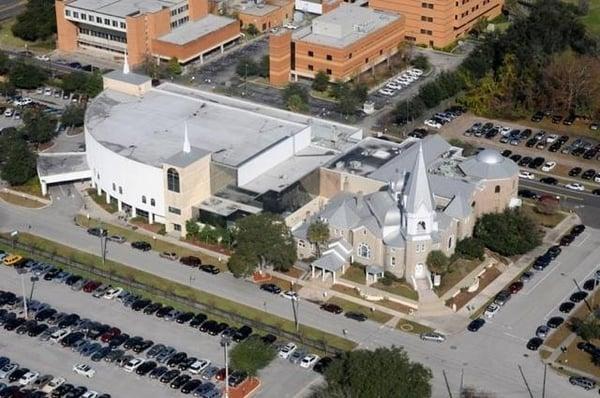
280 379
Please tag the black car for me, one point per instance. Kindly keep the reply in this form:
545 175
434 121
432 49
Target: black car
158 372
567 240
236 378
145 368
97 232
525 161
590 284
242 333
271 288
531 142
14 323
534 343
116 341
516 157
169 376
542 262
596 191
176 359
577 229
191 261
566 307
143 346
554 251
141 245
185 317
68 321
198 320
71 339
537 117
44 314
268 339
555 322
578 296
554 147
190 386
218 329
537 162
333 308
476 324
209 268
588 347
357 316
161 313
17 374
140 304
48 276
185 365
208 325
549 180
180 381
575 171
101 354
527 194
588 174
152 308
506 153
132 342
37 330
322 364
73 279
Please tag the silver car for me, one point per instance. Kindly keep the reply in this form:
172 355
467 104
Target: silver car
542 331
90 349
172 315
7 369
165 354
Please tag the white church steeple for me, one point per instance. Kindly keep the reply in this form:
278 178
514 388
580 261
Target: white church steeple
186 140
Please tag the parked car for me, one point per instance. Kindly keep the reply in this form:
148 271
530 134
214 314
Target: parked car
141 245
287 350
271 288
333 308
582 382
169 255
84 370
433 336
191 261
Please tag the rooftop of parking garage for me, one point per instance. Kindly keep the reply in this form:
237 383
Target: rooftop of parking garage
196 29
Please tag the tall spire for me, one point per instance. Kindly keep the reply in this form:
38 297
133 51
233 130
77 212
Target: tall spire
126 65
186 140
419 191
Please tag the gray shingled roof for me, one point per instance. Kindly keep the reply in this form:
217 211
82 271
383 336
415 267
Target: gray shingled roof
488 167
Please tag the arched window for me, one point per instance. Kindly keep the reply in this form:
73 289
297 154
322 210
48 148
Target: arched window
497 189
152 202
172 180
144 199
450 243
421 226
364 250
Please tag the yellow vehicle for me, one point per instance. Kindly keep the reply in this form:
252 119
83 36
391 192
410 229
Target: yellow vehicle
12 259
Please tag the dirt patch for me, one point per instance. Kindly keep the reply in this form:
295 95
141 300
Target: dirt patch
457 271
245 389
394 306
578 359
346 290
464 297
20 201
412 327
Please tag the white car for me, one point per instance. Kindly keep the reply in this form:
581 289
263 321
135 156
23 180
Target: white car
287 350
548 166
526 174
112 293
133 364
393 86
28 378
309 361
290 295
83 369
8 112
491 310
551 138
384 91
48 91
432 123
54 384
415 71
575 186
290 26
505 130
90 394
198 366
433 336
44 58
59 335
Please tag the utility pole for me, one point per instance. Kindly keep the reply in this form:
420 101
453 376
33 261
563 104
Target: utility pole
544 382
295 303
462 376
525 380
225 341
447 384
21 273
585 299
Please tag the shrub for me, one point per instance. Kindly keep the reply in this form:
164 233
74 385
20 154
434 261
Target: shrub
252 355
509 233
470 248
438 262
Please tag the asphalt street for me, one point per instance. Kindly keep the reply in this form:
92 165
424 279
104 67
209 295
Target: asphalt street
489 359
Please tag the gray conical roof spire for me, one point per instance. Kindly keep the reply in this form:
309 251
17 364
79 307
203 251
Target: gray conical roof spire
419 191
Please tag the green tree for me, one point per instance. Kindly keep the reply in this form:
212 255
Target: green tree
321 81
252 30
94 84
318 234
173 67
20 163
246 67
409 110
192 228
296 104
37 22
262 240
421 62
74 82
73 116
251 355
437 262
383 373
23 75
295 97
588 329
509 233
432 94
38 127
263 67
470 248
349 96
5 63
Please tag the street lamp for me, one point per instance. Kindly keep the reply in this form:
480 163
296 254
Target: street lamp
225 342
22 271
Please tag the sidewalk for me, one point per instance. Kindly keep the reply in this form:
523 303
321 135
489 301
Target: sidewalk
517 267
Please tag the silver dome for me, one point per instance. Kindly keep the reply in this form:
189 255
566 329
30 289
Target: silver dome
490 156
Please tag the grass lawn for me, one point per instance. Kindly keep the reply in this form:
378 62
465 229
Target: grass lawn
179 290
412 327
578 359
101 201
355 274
456 272
592 19
346 290
31 187
394 306
158 244
377 316
8 40
549 221
20 201
399 288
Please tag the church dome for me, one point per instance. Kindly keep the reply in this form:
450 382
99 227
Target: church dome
489 156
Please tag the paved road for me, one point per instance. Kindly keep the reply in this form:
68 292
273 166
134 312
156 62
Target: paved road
281 378
489 360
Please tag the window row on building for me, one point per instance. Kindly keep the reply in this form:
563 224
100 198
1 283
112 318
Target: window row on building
179 10
179 22
102 35
95 19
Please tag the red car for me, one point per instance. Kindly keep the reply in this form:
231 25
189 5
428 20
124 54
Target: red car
220 376
91 286
515 287
109 334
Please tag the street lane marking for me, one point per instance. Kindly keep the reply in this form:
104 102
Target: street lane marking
582 241
515 336
541 280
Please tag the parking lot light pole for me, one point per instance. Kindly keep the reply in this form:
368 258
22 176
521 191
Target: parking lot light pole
225 341
21 273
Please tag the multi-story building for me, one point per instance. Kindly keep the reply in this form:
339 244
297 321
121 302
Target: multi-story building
439 22
158 28
342 43
265 16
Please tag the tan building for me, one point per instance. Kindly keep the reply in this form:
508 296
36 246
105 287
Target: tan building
265 16
439 22
389 205
343 43
161 28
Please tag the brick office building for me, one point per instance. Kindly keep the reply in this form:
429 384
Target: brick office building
342 43
265 16
160 28
439 22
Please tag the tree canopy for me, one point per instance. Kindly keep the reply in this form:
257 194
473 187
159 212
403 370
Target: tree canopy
318 234
349 96
262 240
437 262
321 81
24 75
38 127
37 22
73 116
470 248
383 373
295 97
19 161
508 233
251 355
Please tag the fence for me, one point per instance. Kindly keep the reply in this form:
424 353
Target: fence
157 294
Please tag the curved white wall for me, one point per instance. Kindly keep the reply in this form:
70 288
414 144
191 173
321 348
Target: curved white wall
137 179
